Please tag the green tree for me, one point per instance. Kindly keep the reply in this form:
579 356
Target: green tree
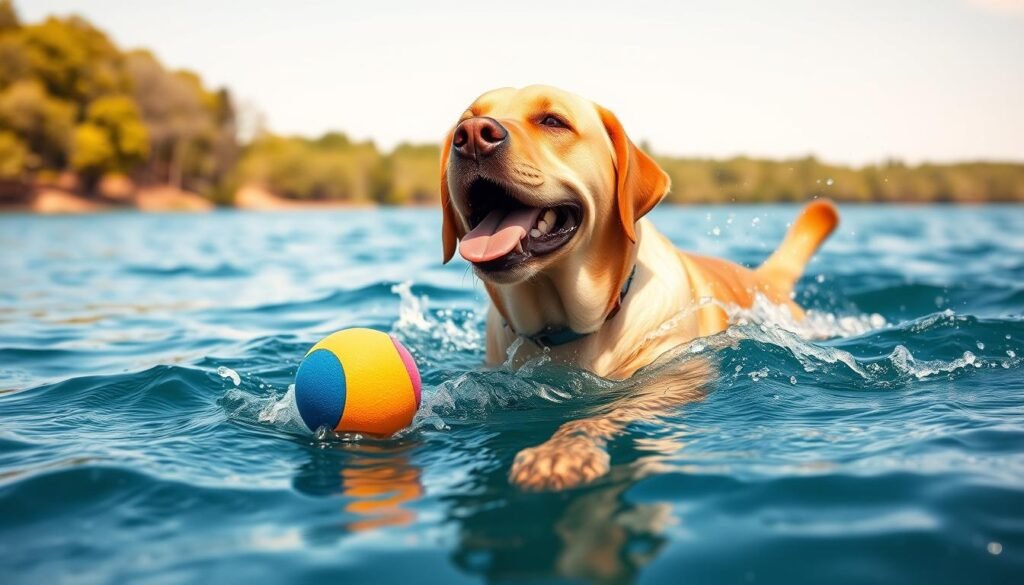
13 156
8 16
14 61
93 151
111 139
412 175
73 59
328 168
42 122
191 130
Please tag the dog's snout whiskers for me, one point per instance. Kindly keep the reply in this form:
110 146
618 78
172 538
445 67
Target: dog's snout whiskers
528 174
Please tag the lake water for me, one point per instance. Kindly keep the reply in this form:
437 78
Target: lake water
891 451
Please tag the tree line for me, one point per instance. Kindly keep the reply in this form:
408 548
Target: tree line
72 101
78 111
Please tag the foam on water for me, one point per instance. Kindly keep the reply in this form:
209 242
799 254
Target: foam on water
905 362
430 333
877 440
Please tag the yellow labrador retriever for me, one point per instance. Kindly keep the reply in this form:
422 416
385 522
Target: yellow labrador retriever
545 195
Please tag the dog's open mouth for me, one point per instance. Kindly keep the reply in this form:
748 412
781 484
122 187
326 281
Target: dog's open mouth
505 232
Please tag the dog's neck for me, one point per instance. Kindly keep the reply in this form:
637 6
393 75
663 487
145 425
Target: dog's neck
557 335
559 306
617 346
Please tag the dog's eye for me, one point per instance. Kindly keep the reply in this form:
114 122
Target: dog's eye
553 122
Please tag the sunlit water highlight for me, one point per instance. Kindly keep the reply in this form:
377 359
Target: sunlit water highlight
147 432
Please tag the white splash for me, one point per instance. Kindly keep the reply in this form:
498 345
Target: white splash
811 356
283 411
411 308
272 410
416 321
226 372
814 325
921 369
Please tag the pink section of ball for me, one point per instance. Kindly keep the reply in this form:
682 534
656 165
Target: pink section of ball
410 367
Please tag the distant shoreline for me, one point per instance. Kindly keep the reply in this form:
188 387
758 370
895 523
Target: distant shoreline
87 126
51 200
166 199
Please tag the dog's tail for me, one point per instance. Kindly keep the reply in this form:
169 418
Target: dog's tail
814 224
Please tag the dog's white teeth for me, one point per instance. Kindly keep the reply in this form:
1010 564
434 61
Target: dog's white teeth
547 221
535 233
519 247
549 217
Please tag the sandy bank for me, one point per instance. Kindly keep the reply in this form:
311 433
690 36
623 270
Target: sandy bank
53 201
167 198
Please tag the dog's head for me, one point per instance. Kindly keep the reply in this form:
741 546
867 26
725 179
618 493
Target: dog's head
535 179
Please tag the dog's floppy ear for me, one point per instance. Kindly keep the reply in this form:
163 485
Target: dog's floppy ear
640 182
449 223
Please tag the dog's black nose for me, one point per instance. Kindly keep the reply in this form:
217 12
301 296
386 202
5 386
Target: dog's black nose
478 137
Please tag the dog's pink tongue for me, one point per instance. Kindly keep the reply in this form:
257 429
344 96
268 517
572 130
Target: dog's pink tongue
498 234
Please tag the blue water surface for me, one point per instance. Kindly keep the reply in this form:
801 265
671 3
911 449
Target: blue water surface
147 434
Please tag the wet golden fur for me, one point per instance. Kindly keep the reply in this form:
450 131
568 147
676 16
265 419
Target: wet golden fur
595 163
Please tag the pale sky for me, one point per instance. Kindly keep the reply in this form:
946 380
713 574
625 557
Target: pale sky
850 81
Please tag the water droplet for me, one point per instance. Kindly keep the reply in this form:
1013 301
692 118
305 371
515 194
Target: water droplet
792 380
994 548
980 345
829 182
820 278
224 372
716 232
1011 353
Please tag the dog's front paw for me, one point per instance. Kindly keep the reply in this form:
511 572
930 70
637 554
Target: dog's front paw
560 463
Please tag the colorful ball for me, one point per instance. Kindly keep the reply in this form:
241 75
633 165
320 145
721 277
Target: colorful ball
358 380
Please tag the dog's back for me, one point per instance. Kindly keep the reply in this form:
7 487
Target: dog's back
731 284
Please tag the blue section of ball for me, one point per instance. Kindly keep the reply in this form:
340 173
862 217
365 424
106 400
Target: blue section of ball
320 390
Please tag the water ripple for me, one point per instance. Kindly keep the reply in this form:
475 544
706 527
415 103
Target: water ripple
146 365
